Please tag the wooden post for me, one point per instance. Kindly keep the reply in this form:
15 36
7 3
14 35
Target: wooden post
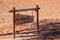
13 22
37 11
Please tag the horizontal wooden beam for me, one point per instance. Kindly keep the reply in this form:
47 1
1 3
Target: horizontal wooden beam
21 10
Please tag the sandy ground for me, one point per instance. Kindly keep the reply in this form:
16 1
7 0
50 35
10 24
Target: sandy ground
50 9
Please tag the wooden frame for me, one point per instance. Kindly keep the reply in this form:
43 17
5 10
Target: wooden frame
21 10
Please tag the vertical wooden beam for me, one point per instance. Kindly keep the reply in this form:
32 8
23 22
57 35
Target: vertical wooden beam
13 22
37 11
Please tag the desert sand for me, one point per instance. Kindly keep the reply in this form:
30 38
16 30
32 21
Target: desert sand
50 9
